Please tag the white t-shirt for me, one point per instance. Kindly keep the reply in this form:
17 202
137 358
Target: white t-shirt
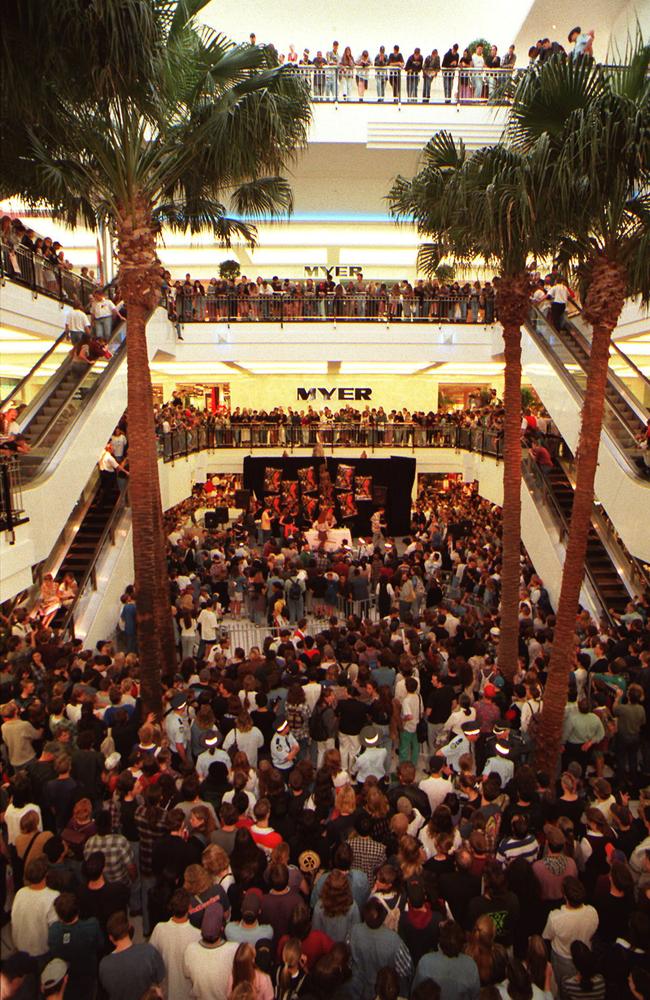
13 816
77 321
559 293
208 622
108 462
103 308
436 790
249 743
31 916
209 969
171 940
411 707
564 926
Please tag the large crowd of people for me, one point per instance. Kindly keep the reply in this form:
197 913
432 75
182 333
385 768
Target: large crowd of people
348 806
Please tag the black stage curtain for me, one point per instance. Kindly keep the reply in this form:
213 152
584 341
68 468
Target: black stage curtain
396 473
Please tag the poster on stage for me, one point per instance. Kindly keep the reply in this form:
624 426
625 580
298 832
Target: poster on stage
272 479
310 508
307 480
289 491
344 477
363 487
347 505
274 503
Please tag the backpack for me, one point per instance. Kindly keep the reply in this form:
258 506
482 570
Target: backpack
317 729
295 591
534 725
393 913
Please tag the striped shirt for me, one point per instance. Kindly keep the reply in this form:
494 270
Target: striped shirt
513 847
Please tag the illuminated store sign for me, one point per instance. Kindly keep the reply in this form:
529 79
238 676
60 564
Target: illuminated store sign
328 394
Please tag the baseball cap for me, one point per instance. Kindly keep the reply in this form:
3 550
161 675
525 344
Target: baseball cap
53 973
490 691
212 925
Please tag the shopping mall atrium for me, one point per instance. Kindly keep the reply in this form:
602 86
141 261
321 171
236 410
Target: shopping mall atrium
310 345
325 500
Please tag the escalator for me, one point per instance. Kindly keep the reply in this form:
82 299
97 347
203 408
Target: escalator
604 574
84 542
569 349
58 403
555 362
554 492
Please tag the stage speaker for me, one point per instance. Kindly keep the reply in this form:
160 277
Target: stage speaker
213 518
242 499
379 495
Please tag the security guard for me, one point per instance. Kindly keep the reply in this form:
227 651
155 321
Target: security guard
460 745
211 755
284 747
178 730
504 734
371 759
500 762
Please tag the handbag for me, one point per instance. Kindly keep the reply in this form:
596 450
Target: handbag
422 729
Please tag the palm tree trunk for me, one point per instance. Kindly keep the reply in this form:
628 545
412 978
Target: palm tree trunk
513 305
603 305
139 283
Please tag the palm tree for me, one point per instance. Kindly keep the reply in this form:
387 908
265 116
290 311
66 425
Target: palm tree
495 205
143 119
598 125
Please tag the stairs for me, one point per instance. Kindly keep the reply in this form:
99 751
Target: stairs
611 588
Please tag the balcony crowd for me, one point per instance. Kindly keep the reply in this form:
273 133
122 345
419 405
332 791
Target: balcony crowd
278 299
476 73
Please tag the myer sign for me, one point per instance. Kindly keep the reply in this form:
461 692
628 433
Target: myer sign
335 271
345 393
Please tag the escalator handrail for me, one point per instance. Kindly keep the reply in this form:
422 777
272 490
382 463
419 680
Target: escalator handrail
629 398
568 379
32 371
531 470
116 513
64 402
107 375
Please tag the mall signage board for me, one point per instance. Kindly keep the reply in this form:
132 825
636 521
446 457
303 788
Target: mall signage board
349 393
335 271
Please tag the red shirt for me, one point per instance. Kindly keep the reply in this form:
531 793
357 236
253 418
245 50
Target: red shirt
314 946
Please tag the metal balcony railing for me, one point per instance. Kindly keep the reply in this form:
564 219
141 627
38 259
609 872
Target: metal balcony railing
392 84
300 304
228 433
27 268
12 512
